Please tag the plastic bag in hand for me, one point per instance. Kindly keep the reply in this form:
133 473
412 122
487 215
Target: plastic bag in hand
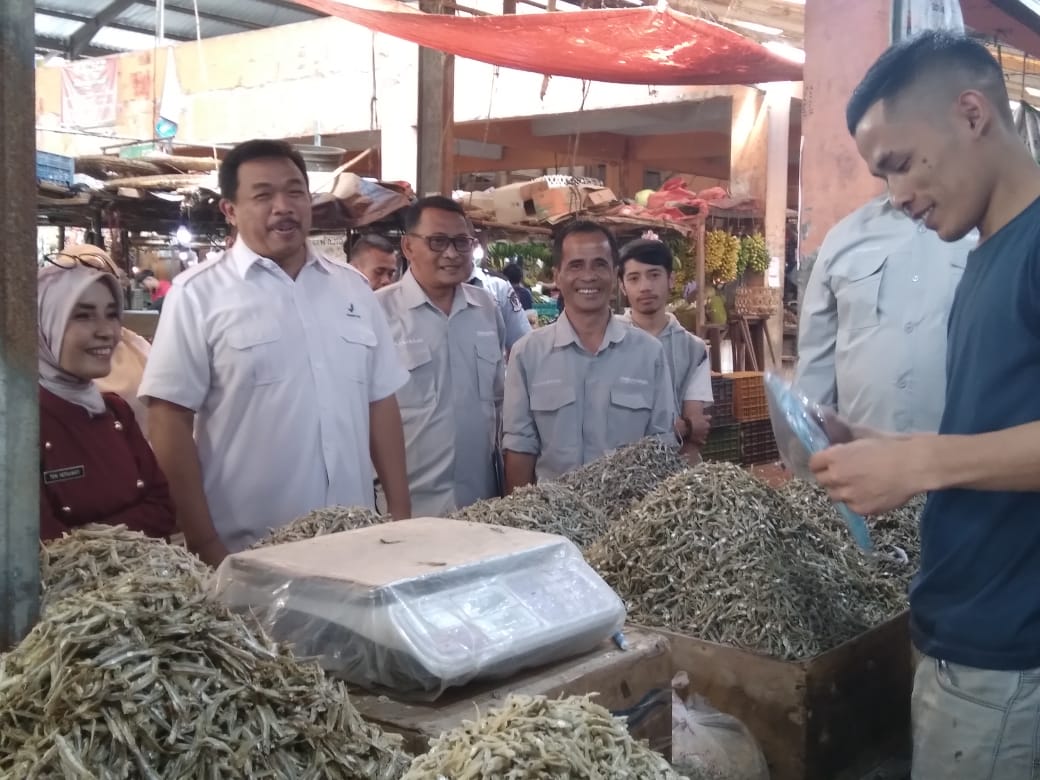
799 430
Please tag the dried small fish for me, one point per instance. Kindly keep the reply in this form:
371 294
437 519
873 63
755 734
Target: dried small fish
614 482
93 554
548 507
716 553
320 522
144 676
532 737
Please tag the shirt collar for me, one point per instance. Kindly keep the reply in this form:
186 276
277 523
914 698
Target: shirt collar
564 335
245 258
671 325
414 295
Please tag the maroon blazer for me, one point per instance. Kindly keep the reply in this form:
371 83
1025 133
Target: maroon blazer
98 470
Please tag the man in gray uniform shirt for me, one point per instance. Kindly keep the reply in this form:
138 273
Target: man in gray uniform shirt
872 333
450 338
588 383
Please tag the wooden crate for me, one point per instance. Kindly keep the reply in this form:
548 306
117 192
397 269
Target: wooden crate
814 718
749 396
621 678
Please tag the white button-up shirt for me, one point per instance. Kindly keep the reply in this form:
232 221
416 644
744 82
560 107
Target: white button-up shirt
872 332
452 402
281 374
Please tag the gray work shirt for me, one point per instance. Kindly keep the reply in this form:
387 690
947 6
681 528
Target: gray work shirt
688 363
872 333
513 315
568 406
452 402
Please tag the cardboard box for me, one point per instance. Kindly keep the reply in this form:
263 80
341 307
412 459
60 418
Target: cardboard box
515 202
599 196
813 719
478 201
621 678
557 202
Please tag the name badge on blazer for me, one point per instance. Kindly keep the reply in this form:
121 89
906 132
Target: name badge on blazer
63 475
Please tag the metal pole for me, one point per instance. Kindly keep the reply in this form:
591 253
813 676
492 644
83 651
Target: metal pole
19 397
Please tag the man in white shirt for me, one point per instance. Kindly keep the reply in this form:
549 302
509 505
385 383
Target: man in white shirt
450 337
645 270
872 331
281 363
374 257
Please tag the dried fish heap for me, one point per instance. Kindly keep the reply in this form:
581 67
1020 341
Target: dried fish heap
144 677
616 481
895 535
320 522
532 737
548 507
94 554
717 554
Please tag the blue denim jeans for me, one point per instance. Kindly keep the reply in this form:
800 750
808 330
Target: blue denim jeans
975 724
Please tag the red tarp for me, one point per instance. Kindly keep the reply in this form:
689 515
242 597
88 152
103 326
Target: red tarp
626 46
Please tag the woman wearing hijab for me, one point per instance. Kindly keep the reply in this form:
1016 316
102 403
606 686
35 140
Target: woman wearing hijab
131 353
95 465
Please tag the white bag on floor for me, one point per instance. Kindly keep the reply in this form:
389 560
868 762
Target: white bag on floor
919 15
710 745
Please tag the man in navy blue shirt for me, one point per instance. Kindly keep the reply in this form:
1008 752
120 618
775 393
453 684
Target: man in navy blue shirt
932 120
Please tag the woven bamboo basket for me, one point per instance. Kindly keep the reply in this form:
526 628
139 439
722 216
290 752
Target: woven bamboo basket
757 301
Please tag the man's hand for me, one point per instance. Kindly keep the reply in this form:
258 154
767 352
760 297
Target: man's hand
873 475
212 552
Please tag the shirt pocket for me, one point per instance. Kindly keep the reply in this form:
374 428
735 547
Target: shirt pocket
554 411
628 415
859 298
489 360
420 389
257 346
356 342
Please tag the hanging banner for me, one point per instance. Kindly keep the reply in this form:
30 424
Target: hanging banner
172 102
915 16
650 45
88 93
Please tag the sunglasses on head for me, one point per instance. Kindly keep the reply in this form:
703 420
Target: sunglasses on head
98 262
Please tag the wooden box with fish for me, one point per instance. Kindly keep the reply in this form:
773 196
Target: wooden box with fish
625 681
814 719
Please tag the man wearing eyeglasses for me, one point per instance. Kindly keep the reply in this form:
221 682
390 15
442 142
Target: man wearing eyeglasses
451 339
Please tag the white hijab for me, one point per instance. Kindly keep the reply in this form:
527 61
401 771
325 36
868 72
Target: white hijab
58 291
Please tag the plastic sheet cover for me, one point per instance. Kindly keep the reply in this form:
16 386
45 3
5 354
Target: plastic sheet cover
418 606
798 430
626 46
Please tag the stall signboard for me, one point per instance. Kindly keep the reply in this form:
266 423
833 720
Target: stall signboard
88 93
330 244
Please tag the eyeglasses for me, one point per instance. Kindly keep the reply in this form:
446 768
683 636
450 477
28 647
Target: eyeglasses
463 244
96 261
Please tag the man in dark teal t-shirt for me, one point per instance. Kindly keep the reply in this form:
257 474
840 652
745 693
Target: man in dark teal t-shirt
932 119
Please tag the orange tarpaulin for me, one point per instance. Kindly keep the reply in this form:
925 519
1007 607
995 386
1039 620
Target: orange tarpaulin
626 46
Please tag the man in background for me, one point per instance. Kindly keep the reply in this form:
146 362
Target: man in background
515 274
450 338
157 288
646 276
588 383
272 377
872 330
375 258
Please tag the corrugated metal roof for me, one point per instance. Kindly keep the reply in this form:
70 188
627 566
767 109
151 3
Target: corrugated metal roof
65 26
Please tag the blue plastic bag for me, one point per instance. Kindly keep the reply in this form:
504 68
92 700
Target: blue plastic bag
798 429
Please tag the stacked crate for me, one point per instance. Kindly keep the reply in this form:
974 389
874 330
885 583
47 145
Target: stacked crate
724 438
751 411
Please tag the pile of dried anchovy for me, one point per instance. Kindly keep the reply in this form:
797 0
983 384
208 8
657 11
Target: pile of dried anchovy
716 553
548 507
885 573
145 677
93 554
320 522
614 482
532 737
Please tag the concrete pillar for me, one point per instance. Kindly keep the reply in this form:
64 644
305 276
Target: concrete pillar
758 170
19 404
842 40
